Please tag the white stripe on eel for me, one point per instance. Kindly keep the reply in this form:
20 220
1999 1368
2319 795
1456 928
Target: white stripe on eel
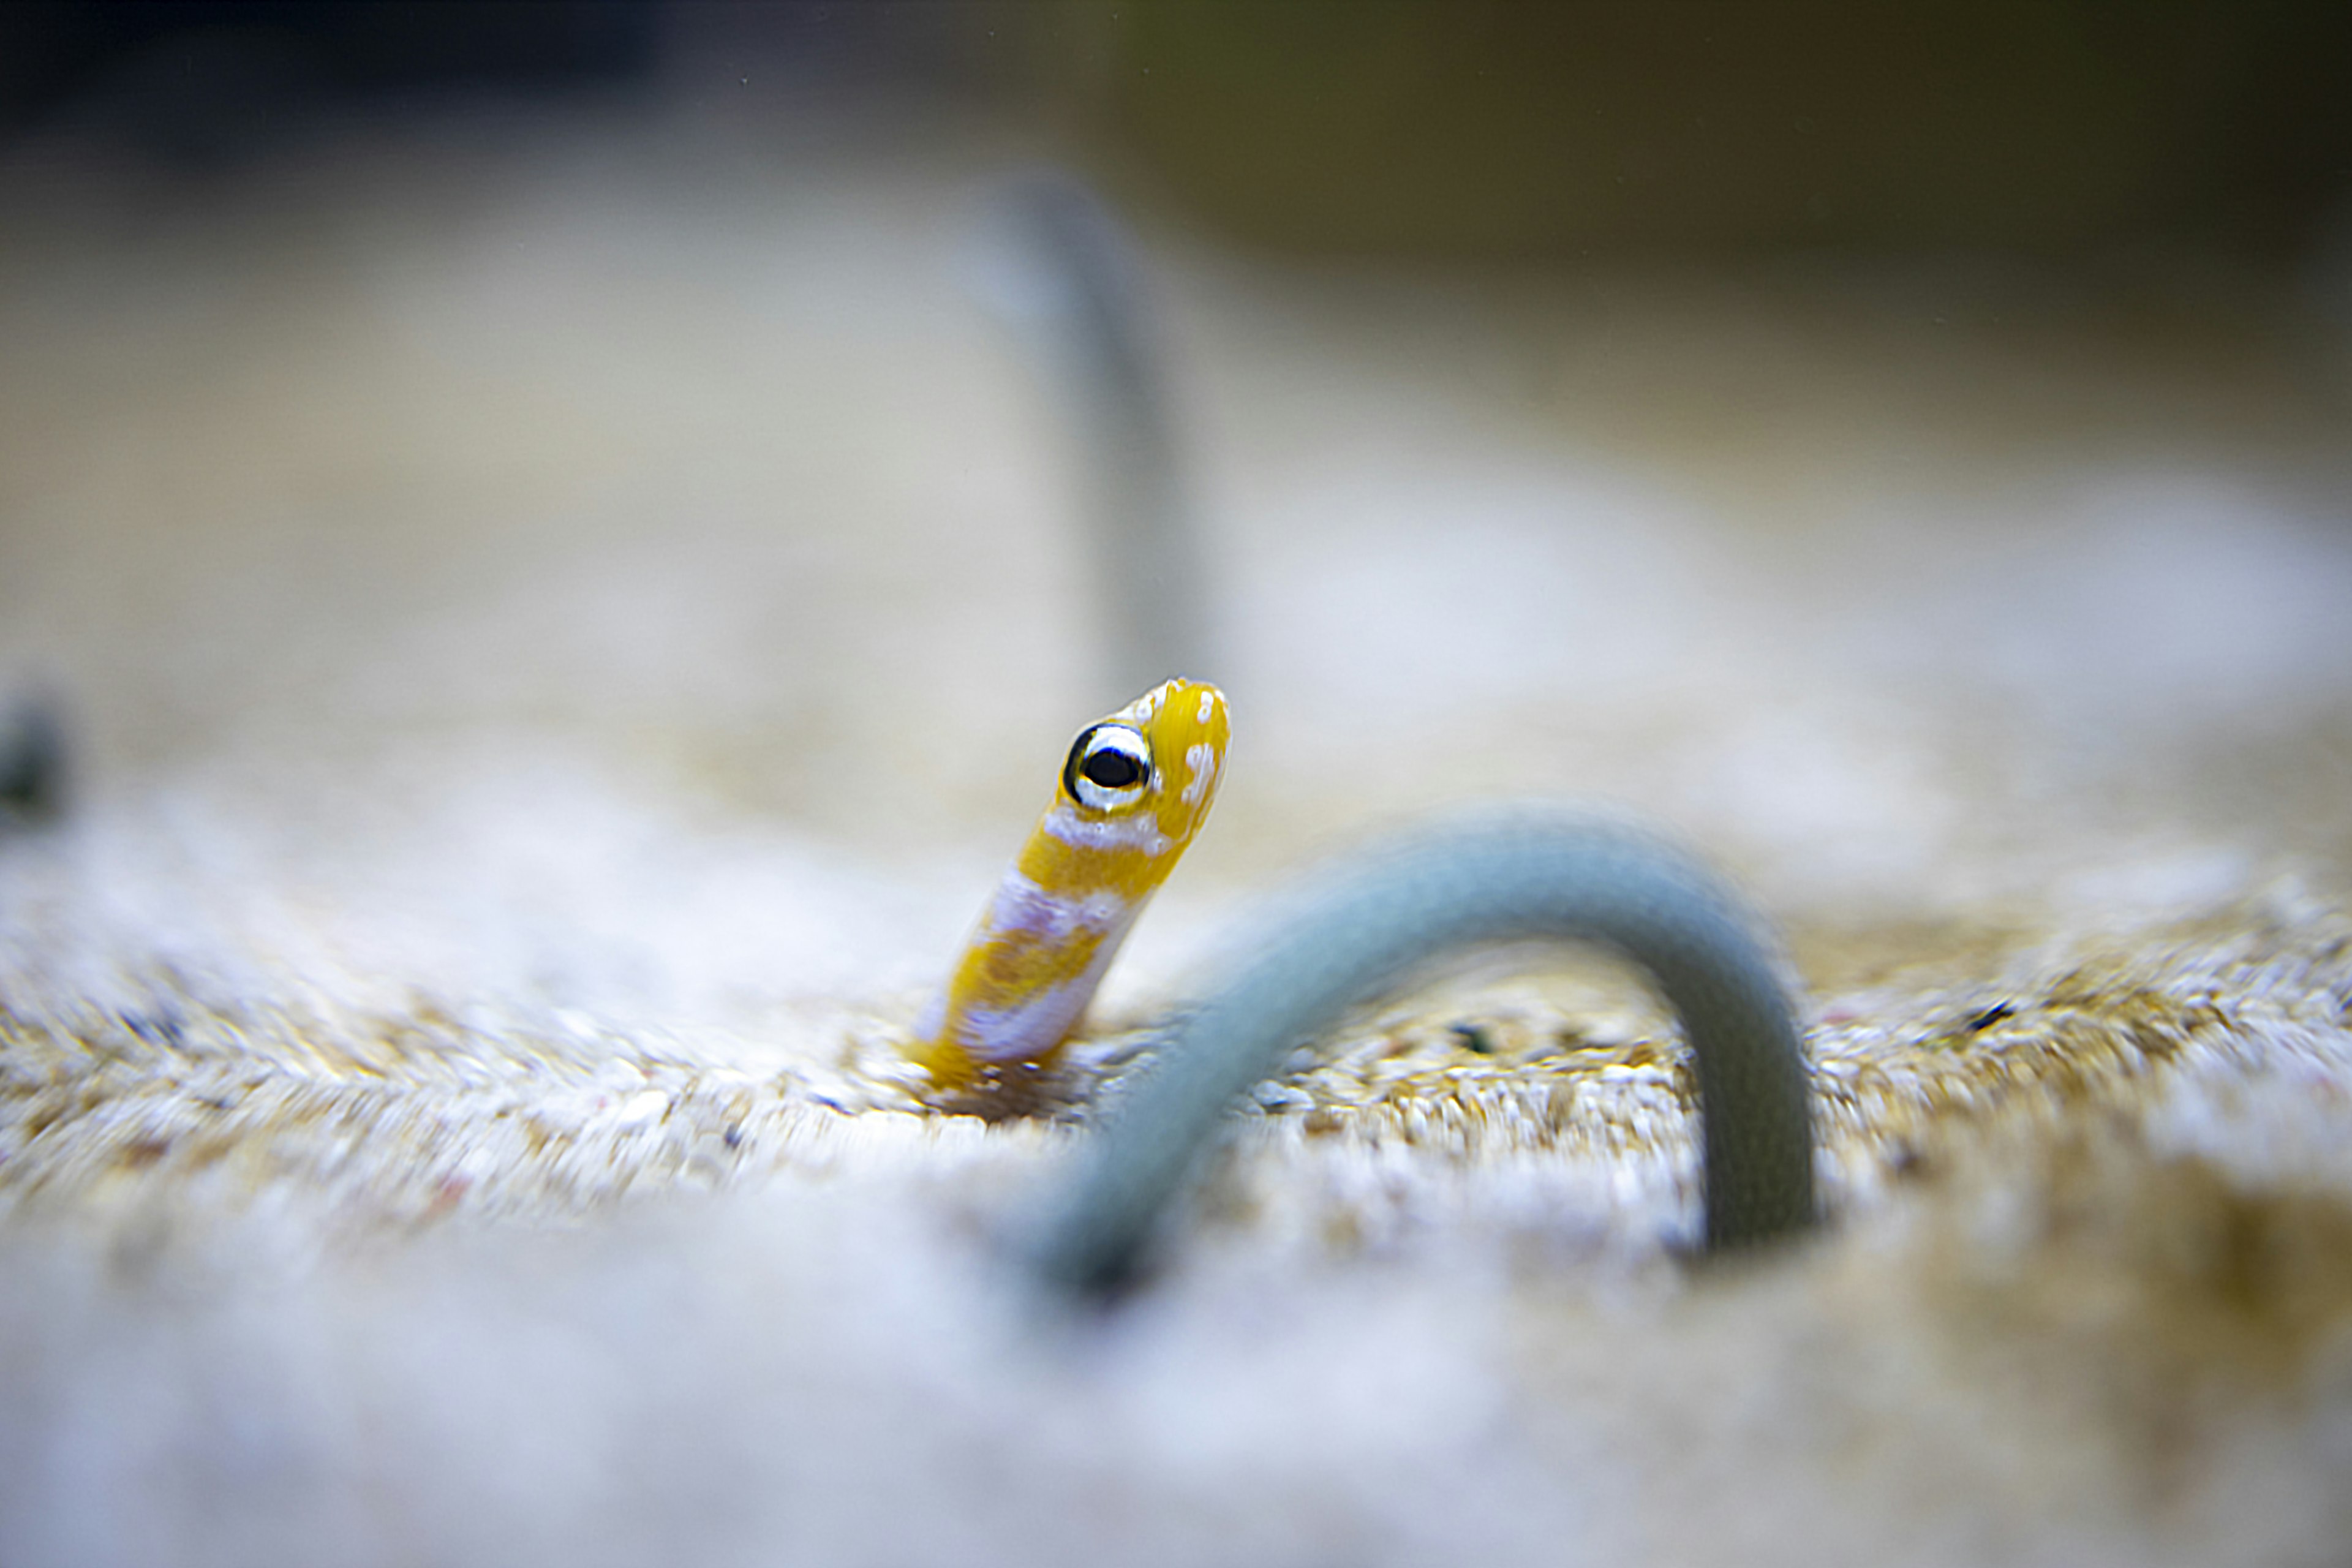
1032 1027
1140 832
1022 905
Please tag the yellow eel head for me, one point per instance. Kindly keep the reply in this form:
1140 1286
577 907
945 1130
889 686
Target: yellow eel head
1134 789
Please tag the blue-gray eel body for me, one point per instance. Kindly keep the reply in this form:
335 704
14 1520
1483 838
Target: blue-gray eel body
1506 876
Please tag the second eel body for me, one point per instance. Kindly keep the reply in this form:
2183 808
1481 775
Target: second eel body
1500 876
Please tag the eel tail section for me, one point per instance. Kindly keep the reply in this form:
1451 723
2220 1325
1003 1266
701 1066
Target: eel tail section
1500 876
1134 789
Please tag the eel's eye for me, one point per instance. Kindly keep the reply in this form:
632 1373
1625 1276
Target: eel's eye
1110 766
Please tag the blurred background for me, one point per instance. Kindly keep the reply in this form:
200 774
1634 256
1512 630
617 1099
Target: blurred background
620 507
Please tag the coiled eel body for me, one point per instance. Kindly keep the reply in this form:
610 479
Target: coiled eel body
1502 877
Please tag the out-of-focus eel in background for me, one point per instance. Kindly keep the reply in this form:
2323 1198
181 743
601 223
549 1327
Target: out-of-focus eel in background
1067 272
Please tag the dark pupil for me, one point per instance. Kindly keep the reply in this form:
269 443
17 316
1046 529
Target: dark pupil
1113 769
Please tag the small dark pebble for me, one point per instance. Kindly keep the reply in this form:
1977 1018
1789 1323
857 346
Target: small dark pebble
734 1135
1988 1018
1474 1038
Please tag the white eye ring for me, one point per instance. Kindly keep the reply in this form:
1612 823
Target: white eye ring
1109 767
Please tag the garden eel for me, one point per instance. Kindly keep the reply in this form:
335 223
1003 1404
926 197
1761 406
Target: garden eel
32 762
1501 876
1134 789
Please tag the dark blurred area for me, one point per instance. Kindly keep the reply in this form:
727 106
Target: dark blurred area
2038 125
2054 129
199 84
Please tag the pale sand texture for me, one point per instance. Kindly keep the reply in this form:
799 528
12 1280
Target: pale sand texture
564 620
